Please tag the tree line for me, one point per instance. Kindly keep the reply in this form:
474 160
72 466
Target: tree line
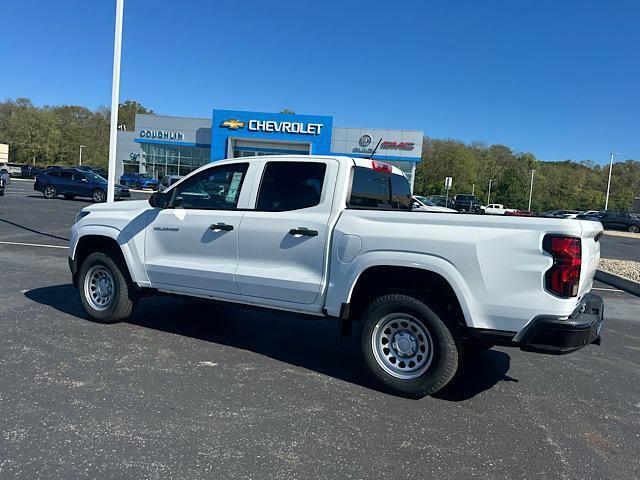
52 135
556 185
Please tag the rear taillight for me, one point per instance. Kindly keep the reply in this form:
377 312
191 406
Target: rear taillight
381 166
563 277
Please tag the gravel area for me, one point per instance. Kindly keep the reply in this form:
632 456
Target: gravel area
625 268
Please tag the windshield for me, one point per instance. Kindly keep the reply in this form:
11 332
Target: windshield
425 201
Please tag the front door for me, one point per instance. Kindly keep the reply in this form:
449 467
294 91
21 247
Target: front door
283 241
193 244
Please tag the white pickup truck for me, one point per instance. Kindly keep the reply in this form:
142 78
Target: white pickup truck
498 209
335 237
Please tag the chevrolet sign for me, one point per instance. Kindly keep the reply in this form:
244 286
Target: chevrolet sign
272 126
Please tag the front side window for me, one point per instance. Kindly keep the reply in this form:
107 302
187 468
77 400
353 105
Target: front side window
379 190
216 188
291 186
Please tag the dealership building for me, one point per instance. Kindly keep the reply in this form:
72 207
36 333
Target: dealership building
163 145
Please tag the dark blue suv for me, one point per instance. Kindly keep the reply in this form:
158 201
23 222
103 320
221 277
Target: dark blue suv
72 183
139 180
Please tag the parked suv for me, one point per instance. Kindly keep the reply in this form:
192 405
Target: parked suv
619 220
467 204
71 183
139 181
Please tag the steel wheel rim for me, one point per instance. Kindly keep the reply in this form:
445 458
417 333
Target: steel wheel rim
98 196
49 191
402 346
634 229
99 287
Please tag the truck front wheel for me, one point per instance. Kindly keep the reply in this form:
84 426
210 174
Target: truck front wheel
407 347
105 292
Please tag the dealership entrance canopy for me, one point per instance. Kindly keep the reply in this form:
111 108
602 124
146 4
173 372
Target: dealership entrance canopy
164 145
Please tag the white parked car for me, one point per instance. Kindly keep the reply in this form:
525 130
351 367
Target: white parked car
423 204
335 237
497 209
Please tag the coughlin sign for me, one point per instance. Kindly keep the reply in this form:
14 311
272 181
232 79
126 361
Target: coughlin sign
161 135
274 126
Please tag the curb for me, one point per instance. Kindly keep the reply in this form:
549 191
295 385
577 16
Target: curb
617 281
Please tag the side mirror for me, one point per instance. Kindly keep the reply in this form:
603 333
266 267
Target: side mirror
159 200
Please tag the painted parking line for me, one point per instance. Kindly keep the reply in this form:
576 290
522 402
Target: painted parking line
33 245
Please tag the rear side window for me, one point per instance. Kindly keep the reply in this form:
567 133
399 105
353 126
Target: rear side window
53 174
379 190
291 186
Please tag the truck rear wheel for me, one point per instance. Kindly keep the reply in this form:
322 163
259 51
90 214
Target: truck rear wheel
105 292
407 346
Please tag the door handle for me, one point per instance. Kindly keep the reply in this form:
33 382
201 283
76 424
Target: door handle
303 231
221 226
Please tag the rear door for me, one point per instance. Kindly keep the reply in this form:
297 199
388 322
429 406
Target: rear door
193 244
283 242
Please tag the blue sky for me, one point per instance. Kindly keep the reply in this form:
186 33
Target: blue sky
560 79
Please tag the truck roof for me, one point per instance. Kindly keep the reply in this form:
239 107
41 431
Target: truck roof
358 162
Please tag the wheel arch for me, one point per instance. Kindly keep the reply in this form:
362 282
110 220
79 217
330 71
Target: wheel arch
397 271
105 239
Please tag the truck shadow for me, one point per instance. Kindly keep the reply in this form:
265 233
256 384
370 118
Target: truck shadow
308 342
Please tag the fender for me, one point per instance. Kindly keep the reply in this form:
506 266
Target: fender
344 277
132 255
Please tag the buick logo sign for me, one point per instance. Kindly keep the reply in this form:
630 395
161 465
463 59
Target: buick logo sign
365 141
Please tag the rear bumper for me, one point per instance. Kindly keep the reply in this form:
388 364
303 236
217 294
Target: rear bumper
556 336
553 335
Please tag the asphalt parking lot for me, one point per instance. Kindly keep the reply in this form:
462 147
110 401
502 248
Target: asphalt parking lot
186 389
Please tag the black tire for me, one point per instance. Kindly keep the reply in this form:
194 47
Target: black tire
99 196
69 197
2 193
634 229
124 297
445 352
138 186
49 192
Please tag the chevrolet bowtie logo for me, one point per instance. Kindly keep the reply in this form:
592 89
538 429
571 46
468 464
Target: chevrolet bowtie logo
233 124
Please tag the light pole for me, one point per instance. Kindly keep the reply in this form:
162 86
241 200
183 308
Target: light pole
473 190
531 189
80 159
115 96
489 192
606 202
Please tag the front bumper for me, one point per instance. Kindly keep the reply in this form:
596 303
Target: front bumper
122 194
557 336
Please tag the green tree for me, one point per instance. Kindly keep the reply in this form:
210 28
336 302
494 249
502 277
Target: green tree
127 114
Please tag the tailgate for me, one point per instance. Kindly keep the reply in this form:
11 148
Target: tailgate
591 232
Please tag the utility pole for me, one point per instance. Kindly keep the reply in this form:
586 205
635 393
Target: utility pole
531 189
606 202
115 96
80 159
489 192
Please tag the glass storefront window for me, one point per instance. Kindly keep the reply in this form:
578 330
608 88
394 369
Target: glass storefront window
162 160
